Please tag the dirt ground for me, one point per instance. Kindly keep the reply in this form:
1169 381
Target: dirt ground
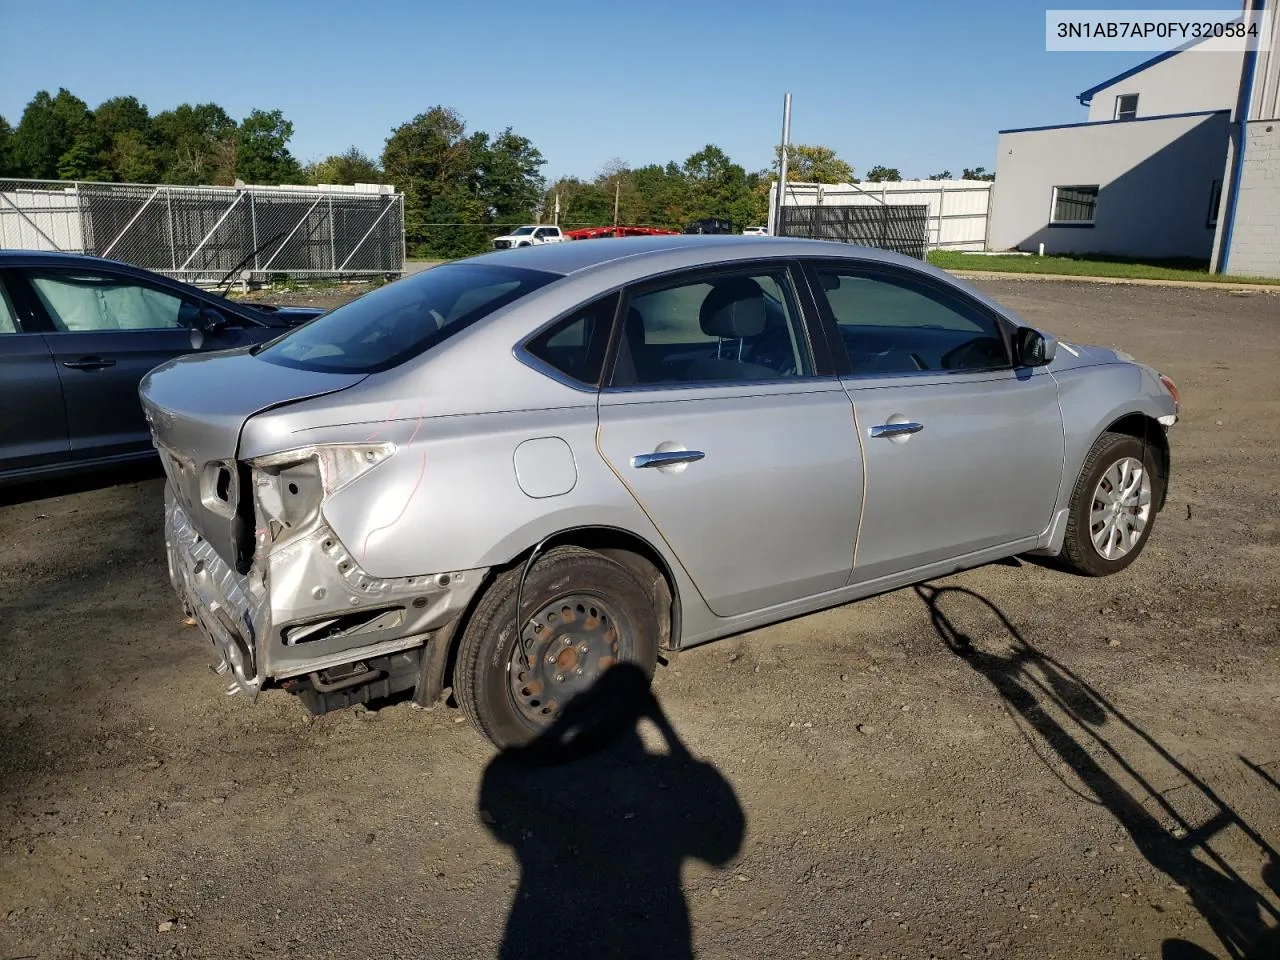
1012 762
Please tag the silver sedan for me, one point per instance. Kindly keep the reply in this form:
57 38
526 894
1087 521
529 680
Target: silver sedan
510 472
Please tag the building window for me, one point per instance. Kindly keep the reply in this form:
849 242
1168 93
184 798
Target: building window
1074 206
1215 197
1127 106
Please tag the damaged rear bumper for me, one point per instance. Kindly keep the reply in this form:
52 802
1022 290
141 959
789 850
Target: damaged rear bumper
305 609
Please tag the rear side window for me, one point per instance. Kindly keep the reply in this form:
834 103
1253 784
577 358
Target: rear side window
401 320
576 345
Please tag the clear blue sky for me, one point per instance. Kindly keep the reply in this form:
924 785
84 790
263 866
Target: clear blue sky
919 86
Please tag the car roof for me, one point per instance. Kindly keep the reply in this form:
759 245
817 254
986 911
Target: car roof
579 255
53 258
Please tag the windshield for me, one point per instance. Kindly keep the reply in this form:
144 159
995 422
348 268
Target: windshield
388 326
522 231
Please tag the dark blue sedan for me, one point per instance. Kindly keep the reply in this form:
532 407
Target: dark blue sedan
77 335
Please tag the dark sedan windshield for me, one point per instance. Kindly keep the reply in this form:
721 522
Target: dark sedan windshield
388 326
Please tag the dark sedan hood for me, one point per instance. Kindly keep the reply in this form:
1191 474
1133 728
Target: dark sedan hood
290 316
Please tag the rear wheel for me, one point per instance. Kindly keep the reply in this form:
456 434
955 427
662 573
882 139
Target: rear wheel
1112 506
583 614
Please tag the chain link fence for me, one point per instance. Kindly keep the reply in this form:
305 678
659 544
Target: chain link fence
902 228
207 234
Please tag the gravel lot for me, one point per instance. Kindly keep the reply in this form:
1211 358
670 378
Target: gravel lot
1012 762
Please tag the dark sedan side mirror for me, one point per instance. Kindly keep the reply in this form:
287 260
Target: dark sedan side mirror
211 321
1033 348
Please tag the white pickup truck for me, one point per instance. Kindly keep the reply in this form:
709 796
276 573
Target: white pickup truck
530 236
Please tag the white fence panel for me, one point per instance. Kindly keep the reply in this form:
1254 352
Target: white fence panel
40 220
958 209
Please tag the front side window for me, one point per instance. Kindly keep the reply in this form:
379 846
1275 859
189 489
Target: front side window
575 347
1075 205
1127 106
735 327
892 324
85 302
401 320
8 317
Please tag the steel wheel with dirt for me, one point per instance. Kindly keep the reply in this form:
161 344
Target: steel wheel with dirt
584 613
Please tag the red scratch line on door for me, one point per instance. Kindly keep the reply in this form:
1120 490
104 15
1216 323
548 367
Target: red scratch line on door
422 469
390 416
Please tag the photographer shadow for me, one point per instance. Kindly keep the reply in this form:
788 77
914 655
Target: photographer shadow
602 827
1057 709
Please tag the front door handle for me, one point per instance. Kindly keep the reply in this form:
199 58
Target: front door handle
665 458
88 363
891 430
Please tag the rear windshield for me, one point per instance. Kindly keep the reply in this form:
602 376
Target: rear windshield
401 320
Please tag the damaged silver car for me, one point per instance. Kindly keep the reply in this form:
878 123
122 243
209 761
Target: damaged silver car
507 473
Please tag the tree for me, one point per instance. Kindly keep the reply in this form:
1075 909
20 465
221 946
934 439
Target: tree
196 144
944 175
122 115
6 144
133 159
509 178
351 166
432 161
47 131
807 163
880 174
262 151
977 173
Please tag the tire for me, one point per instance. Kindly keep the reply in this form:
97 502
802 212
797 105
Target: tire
598 598
1102 542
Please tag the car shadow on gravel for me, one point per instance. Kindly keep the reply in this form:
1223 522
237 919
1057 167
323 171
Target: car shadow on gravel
1057 709
601 826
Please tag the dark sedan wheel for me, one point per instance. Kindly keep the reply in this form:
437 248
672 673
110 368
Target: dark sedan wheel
1112 506
583 614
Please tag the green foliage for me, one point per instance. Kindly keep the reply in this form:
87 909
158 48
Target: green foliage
1087 265
196 144
455 185
262 149
807 163
880 174
6 145
47 131
944 175
977 173
351 166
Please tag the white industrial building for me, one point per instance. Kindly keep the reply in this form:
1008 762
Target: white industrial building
1179 158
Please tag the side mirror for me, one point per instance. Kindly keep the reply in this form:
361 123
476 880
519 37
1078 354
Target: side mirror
1032 348
211 321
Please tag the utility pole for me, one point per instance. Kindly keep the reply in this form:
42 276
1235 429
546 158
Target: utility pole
556 221
617 190
782 166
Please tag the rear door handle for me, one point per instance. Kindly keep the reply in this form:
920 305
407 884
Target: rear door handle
88 363
892 430
665 458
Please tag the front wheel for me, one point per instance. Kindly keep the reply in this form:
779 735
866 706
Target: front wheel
583 614
1112 506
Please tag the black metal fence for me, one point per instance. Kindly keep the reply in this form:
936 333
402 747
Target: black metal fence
202 234
902 228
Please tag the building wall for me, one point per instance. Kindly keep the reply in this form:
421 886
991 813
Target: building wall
1190 81
1155 181
1255 236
